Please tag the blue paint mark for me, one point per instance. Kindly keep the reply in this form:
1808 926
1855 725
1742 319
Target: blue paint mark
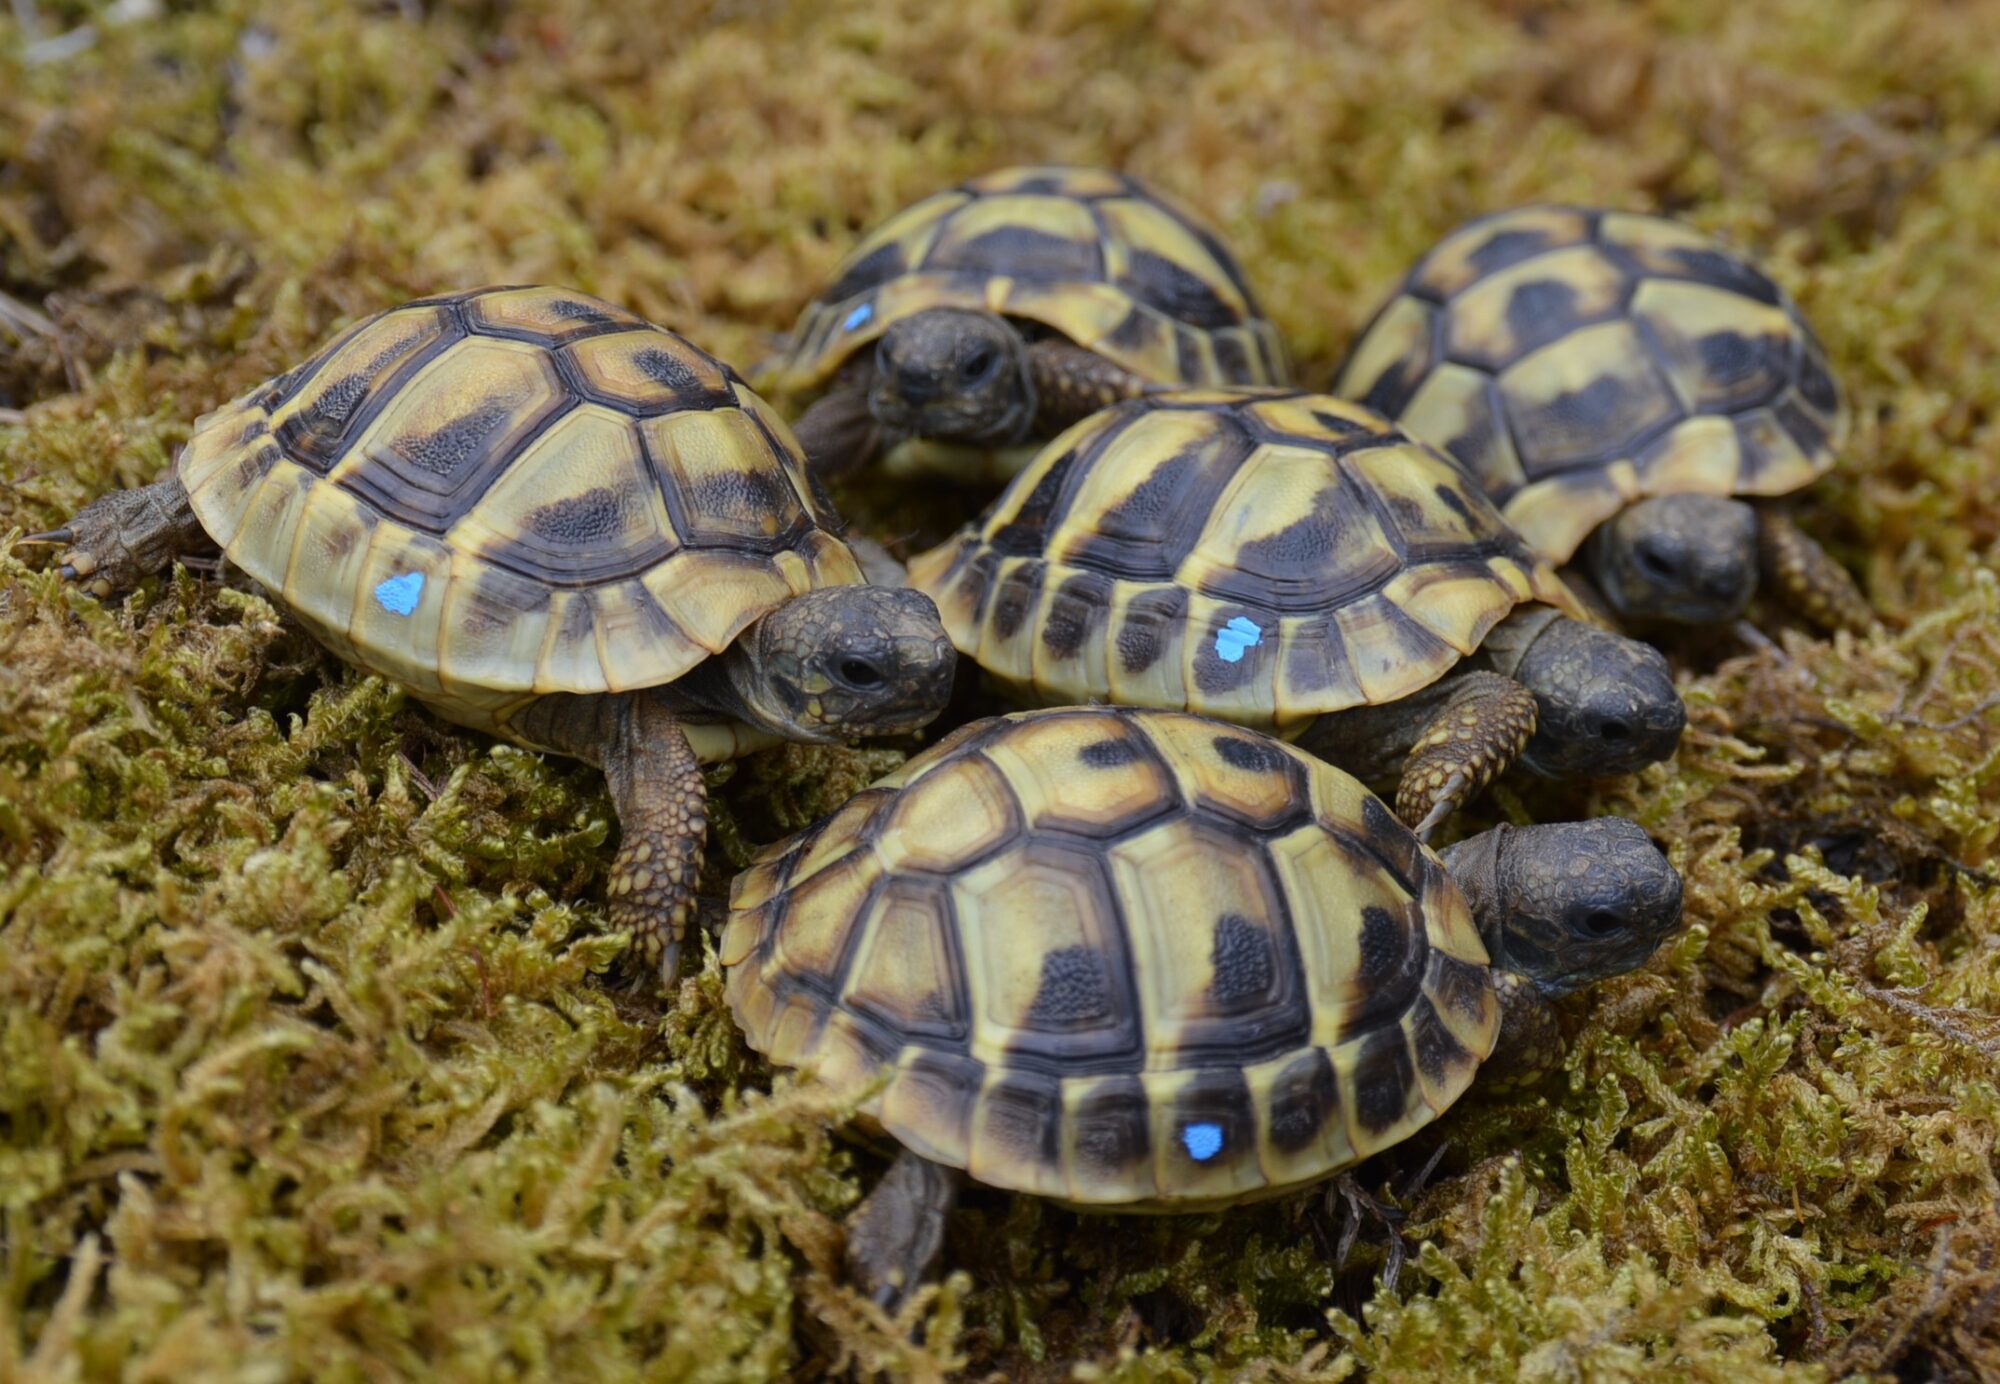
857 317
399 594
1202 1141
1236 636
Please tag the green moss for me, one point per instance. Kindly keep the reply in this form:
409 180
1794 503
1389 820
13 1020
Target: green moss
315 1056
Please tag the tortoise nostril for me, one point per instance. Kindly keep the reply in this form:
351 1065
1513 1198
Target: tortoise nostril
1614 728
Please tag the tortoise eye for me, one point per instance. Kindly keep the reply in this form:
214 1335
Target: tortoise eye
1602 923
978 365
859 672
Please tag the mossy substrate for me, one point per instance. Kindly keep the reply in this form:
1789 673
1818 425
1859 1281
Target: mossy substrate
314 1058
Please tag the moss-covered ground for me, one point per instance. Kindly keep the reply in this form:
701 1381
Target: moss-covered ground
309 1063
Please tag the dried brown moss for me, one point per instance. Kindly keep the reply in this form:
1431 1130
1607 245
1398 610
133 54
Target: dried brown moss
308 1058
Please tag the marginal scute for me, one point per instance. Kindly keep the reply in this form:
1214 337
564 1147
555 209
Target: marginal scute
1016 1125
1192 1011
1385 1084
1209 1151
1111 1137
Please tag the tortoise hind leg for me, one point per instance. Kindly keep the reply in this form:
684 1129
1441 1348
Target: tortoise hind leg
118 538
1811 581
896 1236
1481 729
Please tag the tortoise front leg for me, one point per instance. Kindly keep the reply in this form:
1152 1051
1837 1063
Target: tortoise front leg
838 432
1801 571
118 538
662 807
661 802
896 1236
1072 383
1481 729
1530 1044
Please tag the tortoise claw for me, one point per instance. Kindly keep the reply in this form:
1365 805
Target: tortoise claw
1454 789
62 535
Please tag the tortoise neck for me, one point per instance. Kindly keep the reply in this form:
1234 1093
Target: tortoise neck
1474 865
732 684
1506 646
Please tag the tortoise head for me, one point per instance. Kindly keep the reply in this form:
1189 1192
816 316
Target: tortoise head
1567 904
955 374
1604 704
1687 559
844 661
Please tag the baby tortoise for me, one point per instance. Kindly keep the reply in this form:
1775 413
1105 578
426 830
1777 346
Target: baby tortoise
1141 961
1614 381
555 522
1011 306
1294 562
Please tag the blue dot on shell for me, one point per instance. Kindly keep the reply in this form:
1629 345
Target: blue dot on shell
1202 1141
857 317
399 594
1236 636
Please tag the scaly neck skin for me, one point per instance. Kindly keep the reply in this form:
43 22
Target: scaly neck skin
1474 865
1507 644
733 684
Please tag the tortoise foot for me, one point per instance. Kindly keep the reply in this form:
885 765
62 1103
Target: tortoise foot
117 539
896 1236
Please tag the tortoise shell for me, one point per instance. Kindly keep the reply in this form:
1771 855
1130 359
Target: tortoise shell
1094 255
1120 958
499 494
1577 360
1260 556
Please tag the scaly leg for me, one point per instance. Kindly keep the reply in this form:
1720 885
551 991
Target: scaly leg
1072 383
118 538
1801 571
896 1235
1481 729
662 808
838 432
1530 1044
661 802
